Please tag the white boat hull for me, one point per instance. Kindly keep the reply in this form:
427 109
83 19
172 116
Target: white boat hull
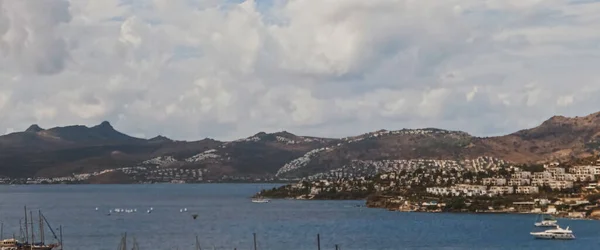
553 236
260 201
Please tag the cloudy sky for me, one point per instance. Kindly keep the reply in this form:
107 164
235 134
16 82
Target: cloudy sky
226 69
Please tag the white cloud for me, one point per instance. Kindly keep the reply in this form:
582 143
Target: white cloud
225 69
31 36
564 100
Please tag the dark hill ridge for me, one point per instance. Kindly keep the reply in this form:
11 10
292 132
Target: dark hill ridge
100 134
62 151
34 129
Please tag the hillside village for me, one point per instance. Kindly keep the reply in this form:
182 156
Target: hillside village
452 186
304 160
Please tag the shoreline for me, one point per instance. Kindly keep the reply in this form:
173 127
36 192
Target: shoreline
153 183
558 215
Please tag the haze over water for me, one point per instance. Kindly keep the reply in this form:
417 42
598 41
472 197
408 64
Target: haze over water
227 219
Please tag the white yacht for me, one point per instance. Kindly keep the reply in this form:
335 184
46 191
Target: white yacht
260 200
555 234
547 221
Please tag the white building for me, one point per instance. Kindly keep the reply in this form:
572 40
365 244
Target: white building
559 185
438 190
527 190
594 170
519 182
584 177
541 182
565 177
501 190
542 176
494 181
521 175
555 170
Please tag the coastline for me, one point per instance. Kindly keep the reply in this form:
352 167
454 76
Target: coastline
483 212
146 183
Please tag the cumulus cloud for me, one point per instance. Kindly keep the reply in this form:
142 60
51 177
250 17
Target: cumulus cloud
31 38
227 69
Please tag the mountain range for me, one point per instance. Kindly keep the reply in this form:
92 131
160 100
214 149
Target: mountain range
64 151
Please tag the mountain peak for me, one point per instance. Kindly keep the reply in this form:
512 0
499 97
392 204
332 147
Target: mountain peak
104 126
160 138
285 134
260 134
34 128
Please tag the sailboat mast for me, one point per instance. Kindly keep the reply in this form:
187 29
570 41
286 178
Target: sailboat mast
61 239
41 226
2 231
32 228
21 230
198 244
26 226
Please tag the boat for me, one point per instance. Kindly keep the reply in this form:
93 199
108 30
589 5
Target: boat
547 221
13 244
555 234
260 200
123 243
10 244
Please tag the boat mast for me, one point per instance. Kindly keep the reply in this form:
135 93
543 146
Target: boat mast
26 226
50 227
21 230
41 226
32 228
197 243
61 239
1 230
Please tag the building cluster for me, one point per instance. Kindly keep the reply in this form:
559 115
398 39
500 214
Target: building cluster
283 139
380 166
384 132
480 190
358 168
173 175
523 182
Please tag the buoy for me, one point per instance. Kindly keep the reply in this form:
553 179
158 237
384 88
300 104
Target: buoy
149 211
185 209
181 210
96 209
194 216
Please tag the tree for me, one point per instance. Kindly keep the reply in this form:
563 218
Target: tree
592 198
456 204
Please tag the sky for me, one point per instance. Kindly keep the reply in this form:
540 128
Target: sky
225 69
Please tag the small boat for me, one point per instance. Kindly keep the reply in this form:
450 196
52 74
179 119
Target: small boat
555 234
547 221
260 200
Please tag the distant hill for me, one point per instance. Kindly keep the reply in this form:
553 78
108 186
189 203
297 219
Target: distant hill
62 151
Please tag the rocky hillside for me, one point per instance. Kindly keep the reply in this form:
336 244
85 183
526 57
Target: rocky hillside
557 139
63 151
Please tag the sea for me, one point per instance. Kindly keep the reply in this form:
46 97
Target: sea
227 219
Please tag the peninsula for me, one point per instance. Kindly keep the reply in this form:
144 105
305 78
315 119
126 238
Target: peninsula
568 189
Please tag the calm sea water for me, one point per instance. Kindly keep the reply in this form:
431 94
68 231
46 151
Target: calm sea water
227 220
